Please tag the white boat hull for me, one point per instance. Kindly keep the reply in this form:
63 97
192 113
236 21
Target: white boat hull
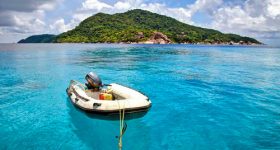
131 100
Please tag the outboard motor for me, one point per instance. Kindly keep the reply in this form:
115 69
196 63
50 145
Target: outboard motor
94 82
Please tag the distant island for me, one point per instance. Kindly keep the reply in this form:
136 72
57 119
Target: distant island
139 26
43 38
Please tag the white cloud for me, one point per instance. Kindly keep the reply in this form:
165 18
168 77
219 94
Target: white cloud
256 18
122 5
273 8
28 17
47 6
24 22
60 26
208 6
94 5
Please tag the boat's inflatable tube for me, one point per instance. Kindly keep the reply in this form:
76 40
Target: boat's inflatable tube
126 98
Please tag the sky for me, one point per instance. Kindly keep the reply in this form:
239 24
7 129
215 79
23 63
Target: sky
259 19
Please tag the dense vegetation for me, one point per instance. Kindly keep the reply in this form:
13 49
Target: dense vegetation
138 26
126 27
44 38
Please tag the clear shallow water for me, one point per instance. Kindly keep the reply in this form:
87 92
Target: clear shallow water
204 97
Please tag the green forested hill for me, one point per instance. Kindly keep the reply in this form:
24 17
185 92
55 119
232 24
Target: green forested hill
43 38
139 25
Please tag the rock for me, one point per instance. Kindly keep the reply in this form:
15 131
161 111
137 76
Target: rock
140 35
148 42
158 38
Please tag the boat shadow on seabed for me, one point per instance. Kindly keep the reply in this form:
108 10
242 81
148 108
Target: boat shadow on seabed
95 130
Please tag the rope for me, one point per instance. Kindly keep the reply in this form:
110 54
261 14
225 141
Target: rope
123 125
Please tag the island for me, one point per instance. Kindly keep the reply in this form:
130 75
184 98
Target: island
43 38
140 26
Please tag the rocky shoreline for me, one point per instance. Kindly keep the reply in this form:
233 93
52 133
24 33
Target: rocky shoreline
160 38
232 44
155 38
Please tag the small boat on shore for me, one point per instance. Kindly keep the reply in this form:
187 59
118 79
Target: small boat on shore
106 99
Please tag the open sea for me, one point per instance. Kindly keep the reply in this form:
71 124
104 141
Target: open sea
204 97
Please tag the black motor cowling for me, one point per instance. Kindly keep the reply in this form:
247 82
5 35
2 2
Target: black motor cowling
94 82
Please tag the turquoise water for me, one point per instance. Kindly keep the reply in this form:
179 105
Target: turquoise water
204 97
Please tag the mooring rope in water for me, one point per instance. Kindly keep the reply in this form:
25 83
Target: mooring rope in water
123 125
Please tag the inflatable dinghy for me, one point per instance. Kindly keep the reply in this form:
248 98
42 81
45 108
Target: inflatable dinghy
93 97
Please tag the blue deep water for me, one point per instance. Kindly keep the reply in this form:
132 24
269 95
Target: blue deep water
204 97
